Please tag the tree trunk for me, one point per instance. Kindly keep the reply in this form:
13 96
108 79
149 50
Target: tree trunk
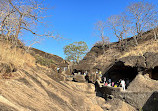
155 35
135 39
77 59
18 29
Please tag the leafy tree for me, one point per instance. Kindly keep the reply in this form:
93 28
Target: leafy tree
75 51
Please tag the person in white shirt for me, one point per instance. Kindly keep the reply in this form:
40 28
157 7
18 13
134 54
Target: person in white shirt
109 84
58 69
123 84
104 79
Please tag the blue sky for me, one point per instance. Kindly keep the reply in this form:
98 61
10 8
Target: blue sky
74 20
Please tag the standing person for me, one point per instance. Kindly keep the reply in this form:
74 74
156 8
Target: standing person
86 72
123 84
110 81
58 69
112 84
104 79
100 76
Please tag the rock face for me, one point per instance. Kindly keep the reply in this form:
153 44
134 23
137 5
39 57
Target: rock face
138 95
119 105
143 56
151 59
79 78
129 67
151 103
47 59
148 60
33 89
143 84
7 68
38 88
133 61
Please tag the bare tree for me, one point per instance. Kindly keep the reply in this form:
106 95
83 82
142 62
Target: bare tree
113 23
35 40
141 15
119 24
7 18
133 32
154 28
22 15
100 29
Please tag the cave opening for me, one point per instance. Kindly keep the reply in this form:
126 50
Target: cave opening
121 72
154 73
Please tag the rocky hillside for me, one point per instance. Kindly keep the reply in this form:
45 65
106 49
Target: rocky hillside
46 59
33 89
28 83
28 86
95 59
136 63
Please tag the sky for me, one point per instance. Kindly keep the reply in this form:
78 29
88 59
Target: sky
74 20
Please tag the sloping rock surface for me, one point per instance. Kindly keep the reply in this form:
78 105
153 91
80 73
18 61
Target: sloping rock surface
148 60
143 84
151 59
33 89
134 61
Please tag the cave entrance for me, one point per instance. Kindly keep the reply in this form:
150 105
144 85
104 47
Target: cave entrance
154 73
119 71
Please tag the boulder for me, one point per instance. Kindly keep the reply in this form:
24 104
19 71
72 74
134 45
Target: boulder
7 68
134 61
148 60
151 59
79 78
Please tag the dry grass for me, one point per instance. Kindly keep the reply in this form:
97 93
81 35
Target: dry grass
15 56
148 46
141 49
108 56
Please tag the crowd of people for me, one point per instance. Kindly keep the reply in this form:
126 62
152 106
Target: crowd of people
108 82
120 83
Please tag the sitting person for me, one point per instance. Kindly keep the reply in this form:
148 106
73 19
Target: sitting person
115 85
106 84
109 84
